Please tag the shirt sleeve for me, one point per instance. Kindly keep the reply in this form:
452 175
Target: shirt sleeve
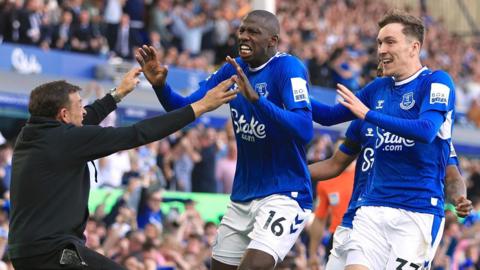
296 119
294 83
98 110
171 100
439 93
297 122
423 129
331 115
352 144
92 142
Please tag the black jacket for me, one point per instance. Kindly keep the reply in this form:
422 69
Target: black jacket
50 178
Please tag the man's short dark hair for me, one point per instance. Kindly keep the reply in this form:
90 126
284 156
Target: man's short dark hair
269 20
412 26
47 99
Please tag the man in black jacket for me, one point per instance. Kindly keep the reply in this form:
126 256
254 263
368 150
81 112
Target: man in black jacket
50 178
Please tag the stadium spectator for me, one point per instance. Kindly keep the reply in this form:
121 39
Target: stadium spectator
161 21
345 68
5 165
225 170
112 17
203 173
62 32
46 229
321 148
319 68
112 168
30 20
148 209
126 39
85 37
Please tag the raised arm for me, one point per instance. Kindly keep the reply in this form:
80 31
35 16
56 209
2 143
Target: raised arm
343 156
436 109
330 115
92 142
98 110
330 168
423 129
156 74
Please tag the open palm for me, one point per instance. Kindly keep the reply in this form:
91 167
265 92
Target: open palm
155 73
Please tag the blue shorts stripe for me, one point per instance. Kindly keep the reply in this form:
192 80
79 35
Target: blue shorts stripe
437 222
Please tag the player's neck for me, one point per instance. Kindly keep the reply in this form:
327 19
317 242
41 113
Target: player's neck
261 61
412 70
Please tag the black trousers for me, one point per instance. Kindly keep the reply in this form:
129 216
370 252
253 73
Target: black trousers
76 257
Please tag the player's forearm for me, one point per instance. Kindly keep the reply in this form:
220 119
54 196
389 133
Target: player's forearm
169 99
324 170
454 184
455 188
297 122
330 115
423 130
316 233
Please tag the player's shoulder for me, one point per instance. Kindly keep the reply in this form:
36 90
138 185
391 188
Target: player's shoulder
379 83
226 69
438 76
286 59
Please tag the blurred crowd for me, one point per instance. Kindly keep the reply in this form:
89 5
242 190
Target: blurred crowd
137 234
198 34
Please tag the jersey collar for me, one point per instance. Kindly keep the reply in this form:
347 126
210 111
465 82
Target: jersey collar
262 66
411 78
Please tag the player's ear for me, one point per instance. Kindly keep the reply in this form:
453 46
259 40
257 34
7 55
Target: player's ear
416 47
274 41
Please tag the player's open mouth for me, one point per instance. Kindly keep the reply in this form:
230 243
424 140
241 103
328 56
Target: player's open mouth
386 61
245 50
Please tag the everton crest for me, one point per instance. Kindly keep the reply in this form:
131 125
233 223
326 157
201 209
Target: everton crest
261 89
407 101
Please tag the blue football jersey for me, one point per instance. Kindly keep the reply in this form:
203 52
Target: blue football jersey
271 160
361 133
409 174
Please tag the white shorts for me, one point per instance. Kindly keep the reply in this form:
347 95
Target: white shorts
392 238
271 224
338 254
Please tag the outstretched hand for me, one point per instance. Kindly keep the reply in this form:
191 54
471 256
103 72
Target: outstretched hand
242 82
463 206
215 97
351 101
129 81
155 73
